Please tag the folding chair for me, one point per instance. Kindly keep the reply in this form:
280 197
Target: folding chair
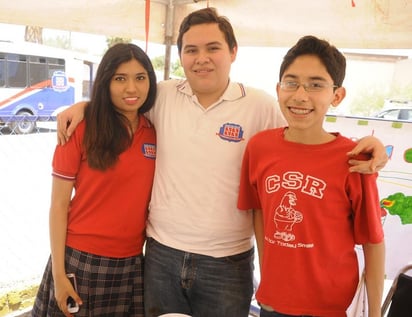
399 297
254 311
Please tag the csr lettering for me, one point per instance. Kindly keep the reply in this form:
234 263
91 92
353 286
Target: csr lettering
296 181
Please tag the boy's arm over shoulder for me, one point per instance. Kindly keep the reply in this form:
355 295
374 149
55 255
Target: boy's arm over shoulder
68 120
378 156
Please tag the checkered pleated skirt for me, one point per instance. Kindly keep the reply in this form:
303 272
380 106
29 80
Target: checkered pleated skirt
107 286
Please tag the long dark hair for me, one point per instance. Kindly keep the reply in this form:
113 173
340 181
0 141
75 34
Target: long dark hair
107 132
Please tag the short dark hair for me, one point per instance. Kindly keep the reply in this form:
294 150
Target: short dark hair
207 16
330 56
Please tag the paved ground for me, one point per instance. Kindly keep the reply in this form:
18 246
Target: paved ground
20 314
25 166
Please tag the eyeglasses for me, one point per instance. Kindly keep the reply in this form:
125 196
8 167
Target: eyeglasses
309 87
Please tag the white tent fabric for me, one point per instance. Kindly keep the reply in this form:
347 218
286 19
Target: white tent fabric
278 23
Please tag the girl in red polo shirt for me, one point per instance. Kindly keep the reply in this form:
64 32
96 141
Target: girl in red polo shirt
102 180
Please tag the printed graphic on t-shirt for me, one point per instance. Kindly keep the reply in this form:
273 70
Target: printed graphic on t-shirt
285 219
286 216
231 132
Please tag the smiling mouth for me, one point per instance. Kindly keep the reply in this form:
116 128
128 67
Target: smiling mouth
131 100
202 71
300 111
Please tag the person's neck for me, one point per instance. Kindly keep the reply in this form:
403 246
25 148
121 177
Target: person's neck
134 123
305 136
206 100
209 98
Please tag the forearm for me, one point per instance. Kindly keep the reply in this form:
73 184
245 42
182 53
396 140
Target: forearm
259 233
59 208
58 232
375 274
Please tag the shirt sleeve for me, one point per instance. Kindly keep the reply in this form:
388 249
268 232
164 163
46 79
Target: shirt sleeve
367 212
68 157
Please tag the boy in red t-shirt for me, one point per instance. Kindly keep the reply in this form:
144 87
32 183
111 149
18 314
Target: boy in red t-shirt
309 211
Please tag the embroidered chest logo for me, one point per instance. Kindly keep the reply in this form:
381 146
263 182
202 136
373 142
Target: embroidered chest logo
149 150
231 132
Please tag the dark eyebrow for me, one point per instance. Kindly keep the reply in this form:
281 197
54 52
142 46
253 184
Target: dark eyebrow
207 44
294 77
214 43
318 78
125 74
289 76
189 46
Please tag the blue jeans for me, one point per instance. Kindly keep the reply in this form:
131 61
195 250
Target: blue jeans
201 286
265 313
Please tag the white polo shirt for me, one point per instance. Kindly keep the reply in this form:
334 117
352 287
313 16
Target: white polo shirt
199 156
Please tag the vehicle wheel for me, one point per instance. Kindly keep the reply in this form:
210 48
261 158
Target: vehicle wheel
24 126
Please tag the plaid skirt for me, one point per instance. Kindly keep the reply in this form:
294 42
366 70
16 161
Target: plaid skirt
107 286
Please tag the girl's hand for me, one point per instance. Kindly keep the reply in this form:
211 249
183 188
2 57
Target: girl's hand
63 289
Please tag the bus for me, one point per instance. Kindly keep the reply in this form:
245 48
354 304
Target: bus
37 82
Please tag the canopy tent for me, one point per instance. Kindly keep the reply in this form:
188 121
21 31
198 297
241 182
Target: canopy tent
348 23
277 23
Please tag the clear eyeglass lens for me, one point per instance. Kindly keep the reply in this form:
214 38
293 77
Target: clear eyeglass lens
293 86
